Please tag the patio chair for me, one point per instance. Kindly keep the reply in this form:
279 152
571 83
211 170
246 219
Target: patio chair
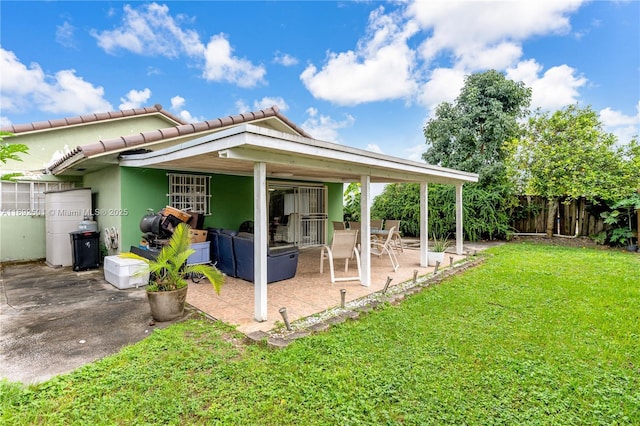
354 226
337 225
378 249
396 237
343 247
376 223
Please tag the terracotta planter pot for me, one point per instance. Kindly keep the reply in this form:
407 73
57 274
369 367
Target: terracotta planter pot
167 305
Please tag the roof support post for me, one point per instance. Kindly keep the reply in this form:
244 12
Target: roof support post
260 241
365 229
459 234
424 223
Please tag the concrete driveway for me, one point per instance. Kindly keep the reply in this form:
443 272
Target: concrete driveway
53 321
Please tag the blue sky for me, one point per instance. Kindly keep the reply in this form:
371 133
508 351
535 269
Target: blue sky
367 74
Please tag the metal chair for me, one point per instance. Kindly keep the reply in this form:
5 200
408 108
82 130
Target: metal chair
378 249
343 247
396 237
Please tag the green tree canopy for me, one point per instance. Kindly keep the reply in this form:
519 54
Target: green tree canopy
10 151
469 134
568 154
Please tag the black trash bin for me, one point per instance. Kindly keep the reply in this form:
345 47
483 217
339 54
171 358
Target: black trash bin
85 250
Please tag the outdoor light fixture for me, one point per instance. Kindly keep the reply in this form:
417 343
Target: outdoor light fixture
343 293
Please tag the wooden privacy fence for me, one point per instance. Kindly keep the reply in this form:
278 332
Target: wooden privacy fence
531 217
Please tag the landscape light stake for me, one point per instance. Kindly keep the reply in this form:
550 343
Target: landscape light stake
467 253
435 271
450 261
415 276
283 312
386 286
343 294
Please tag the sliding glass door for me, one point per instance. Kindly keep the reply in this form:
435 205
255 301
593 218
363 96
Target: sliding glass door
297 214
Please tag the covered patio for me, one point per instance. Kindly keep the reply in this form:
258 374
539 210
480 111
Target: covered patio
262 148
264 153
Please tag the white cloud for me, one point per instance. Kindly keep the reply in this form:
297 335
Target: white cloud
5 121
444 85
64 92
64 34
323 127
177 102
415 152
285 59
374 148
554 89
221 65
151 30
380 68
268 102
455 38
177 105
135 99
242 106
265 102
457 25
625 127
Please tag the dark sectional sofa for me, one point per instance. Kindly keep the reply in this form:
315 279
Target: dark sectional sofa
232 253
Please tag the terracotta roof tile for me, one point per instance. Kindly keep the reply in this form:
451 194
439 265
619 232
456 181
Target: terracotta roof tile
113 144
89 118
129 141
170 132
137 139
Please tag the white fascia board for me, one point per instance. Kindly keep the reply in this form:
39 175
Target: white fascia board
253 143
317 148
192 148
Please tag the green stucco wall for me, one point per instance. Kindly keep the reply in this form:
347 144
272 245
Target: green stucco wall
44 146
22 238
106 199
335 200
141 189
231 200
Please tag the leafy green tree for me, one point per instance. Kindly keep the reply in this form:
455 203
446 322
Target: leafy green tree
10 151
481 217
470 135
351 198
399 201
568 154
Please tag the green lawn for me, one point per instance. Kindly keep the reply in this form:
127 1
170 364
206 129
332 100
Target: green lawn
536 335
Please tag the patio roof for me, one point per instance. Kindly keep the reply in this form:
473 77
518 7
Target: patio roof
235 150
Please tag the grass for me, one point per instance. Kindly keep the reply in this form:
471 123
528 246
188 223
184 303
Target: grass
536 335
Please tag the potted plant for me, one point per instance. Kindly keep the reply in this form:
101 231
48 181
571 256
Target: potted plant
168 273
435 252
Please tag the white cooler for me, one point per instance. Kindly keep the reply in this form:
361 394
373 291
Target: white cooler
120 272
